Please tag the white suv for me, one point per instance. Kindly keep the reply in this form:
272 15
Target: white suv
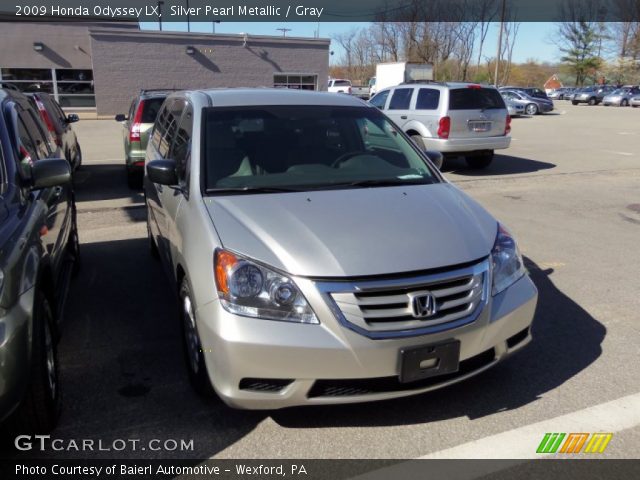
451 118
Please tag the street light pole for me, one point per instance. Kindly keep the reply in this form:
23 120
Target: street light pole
495 78
160 3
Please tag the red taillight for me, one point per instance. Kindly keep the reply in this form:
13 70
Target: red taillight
139 164
53 137
507 125
477 87
444 127
25 157
134 130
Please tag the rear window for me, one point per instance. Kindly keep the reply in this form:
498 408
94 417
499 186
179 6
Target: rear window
474 99
428 99
401 99
151 109
341 83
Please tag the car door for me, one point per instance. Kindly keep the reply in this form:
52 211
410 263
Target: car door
57 199
399 106
173 198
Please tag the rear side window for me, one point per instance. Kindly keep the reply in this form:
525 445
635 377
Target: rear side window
428 99
39 140
401 99
150 109
380 99
474 99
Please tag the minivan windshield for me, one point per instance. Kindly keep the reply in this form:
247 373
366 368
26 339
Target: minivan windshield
301 147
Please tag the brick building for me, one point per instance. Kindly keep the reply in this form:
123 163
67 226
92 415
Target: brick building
101 66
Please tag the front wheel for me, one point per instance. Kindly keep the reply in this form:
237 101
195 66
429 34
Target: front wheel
193 350
531 109
479 161
573 102
40 408
593 101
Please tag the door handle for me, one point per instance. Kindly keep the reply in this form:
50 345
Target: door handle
403 117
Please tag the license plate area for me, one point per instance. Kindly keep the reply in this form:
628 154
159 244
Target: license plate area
476 126
418 363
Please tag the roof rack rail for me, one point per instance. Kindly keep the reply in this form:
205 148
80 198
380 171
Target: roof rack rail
144 90
9 86
414 82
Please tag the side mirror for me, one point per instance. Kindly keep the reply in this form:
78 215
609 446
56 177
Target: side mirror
50 172
73 118
162 172
121 117
436 157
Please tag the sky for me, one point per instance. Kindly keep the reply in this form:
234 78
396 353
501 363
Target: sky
533 40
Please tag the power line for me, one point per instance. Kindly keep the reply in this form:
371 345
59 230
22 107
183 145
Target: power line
284 31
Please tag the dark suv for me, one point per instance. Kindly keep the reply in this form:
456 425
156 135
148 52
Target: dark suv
137 127
38 253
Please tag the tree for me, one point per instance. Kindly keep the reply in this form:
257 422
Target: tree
580 38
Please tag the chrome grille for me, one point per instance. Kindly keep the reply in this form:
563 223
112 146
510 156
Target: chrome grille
383 308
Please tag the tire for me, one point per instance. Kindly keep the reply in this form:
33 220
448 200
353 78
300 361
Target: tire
624 102
134 179
634 106
531 109
479 161
573 102
593 101
153 248
417 139
41 406
78 157
194 358
73 244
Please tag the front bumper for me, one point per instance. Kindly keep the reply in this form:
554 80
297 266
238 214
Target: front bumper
463 145
612 101
15 353
261 364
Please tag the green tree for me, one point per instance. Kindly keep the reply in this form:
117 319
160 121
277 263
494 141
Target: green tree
580 48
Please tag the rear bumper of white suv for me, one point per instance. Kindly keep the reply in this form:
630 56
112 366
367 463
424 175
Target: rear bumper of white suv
462 145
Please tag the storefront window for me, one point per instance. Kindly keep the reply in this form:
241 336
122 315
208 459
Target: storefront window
295 81
75 88
71 87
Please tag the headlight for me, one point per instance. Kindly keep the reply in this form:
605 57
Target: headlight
252 290
507 261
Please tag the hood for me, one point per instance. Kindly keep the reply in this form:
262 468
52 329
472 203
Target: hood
355 232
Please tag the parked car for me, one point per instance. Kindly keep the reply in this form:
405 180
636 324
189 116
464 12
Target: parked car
137 125
592 95
451 118
635 101
319 256
532 105
517 101
58 125
38 253
561 93
339 85
514 107
360 91
621 97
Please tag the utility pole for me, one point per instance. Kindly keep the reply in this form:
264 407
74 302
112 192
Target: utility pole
284 31
504 6
160 3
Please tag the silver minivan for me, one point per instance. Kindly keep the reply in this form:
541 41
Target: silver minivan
318 254
456 119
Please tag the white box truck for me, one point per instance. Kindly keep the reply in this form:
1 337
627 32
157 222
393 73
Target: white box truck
392 74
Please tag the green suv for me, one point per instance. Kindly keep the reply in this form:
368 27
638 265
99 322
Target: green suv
137 127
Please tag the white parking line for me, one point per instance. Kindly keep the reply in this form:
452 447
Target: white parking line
522 442
626 154
518 445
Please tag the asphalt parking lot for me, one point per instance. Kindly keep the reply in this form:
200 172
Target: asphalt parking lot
568 189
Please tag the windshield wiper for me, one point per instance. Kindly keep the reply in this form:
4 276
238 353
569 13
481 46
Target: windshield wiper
387 182
223 190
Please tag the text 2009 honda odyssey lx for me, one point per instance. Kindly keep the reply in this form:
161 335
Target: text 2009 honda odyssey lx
319 256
